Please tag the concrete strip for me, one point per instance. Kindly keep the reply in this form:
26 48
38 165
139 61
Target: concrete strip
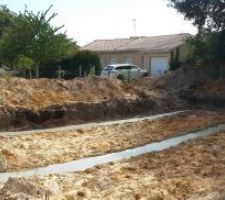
80 165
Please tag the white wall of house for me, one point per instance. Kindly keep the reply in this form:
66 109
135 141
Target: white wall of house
141 59
157 63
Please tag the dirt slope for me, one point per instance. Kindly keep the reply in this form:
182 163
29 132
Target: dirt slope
26 104
193 86
39 103
38 93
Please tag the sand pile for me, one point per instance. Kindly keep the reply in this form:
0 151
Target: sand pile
40 103
38 93
215 88
193 87
37 103
183 78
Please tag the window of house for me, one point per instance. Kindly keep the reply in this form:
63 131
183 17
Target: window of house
142 61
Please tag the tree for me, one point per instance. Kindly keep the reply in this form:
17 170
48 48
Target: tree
33 36
205 13
25 64
82 63
6 18
208 46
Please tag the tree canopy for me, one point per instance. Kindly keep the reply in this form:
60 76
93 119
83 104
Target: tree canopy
32 36
6 19
205 13
208 46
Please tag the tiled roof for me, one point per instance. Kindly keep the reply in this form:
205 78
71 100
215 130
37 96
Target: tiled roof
152 43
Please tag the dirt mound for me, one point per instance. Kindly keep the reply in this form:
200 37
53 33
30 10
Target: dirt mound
38 93
216 87
26 104
183 78
205 92
193 87
40 103
21 188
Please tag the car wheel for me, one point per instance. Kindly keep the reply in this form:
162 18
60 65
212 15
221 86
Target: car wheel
121 77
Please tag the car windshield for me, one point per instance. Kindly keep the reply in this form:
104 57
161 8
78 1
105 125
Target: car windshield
126 67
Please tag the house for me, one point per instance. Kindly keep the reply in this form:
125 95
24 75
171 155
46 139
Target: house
153 53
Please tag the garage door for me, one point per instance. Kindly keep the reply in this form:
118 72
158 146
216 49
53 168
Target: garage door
159 66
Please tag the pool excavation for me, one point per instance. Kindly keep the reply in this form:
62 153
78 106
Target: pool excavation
96 138
86 163
28 150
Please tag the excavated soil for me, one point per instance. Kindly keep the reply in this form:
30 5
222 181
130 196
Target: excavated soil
41 103
42 149
193 170
194 86
35 94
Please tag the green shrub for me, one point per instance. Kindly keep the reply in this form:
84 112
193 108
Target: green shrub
81 64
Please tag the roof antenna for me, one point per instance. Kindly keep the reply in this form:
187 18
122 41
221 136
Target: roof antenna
135 26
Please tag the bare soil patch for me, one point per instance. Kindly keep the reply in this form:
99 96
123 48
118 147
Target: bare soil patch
37 150
193 170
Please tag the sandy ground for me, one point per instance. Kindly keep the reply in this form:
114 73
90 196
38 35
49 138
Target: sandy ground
32 151
38 93
193 170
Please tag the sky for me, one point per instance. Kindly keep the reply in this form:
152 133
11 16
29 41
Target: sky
88 20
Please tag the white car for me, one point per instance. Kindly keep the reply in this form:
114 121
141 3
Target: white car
124 71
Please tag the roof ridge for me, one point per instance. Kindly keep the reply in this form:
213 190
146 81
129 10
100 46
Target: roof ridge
145 42
140 37
170 34
111 39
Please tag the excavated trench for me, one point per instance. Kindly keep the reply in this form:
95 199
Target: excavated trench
93 124
83 164
15 119
74 113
